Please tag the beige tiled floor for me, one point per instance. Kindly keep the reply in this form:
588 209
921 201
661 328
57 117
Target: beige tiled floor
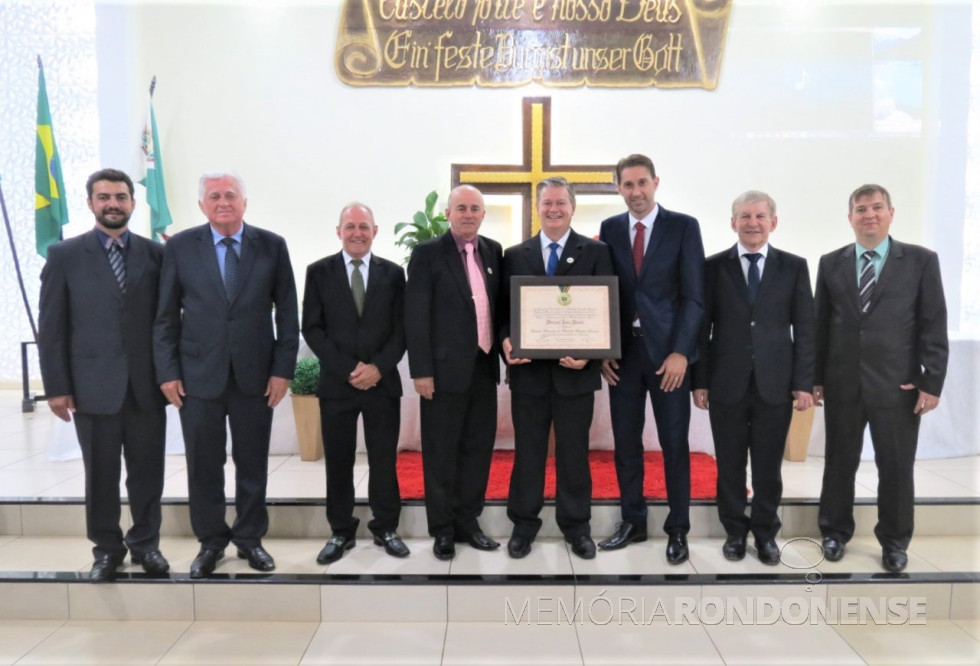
452 626
579 642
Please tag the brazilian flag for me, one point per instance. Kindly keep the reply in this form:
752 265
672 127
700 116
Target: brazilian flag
50 208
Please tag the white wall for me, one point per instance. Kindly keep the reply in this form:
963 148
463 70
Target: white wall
252 87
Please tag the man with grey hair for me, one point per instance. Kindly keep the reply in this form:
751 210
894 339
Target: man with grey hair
882 352
548 393
755 358
354 321
218 356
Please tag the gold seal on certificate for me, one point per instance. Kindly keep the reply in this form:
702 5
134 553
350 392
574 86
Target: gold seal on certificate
576 316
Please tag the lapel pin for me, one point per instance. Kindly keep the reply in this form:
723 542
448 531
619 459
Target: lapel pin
570 260
489 270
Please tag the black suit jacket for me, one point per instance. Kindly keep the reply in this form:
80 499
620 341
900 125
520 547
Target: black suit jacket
93 342
199 335
340 338
668 295
774 337
902 339
581 256
440 319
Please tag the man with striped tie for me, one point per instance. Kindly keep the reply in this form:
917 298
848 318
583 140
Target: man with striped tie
95 342
882 350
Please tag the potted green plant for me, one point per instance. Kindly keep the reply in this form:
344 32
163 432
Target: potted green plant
426 224
306 409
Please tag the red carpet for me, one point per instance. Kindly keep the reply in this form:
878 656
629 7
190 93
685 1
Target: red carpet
704 474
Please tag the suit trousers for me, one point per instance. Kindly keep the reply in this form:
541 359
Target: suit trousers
750 427
139 436
458 432
672 412
533 417
895 436
382 419
205 435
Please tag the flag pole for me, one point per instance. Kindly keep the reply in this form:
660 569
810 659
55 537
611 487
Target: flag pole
13 251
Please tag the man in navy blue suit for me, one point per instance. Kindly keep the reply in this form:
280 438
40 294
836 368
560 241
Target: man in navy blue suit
755 363
659 259
224 344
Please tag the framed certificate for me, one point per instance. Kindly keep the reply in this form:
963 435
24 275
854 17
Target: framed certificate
563 315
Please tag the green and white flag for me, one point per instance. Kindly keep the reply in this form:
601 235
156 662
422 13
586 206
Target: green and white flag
156 191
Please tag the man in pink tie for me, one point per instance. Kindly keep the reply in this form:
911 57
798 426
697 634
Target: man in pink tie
450 314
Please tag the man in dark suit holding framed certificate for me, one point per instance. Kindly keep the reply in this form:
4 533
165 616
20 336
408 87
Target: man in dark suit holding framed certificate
95 342
659 258
882 351
354 321
546 393
225 343
755 359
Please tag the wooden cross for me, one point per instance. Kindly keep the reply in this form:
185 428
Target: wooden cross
523 178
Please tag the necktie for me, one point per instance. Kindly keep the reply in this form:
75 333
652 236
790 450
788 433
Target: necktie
118 264
753 258
553 259
480 300
231 267
357 285
866 284
638 247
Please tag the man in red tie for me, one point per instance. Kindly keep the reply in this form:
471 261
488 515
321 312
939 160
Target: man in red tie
659 259
450 310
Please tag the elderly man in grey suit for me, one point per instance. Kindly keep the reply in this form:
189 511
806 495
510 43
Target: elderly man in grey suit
882 350
98 301
226 337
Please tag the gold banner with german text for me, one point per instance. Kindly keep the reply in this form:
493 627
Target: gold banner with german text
493 43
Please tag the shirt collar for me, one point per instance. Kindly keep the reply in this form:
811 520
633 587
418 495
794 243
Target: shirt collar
347 258
764 250
648 219
105 239
219 237
461 244
881 249
562 242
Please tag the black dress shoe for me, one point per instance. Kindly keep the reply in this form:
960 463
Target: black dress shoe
153 563
481 541
393 544
734 548
894 559
583 546
626 533
677 548
258 558
768 551
444 548
104 569
205 562
833 549
518 547
335 548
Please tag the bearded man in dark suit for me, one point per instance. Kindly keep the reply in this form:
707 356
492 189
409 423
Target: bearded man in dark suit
98 301
882 352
